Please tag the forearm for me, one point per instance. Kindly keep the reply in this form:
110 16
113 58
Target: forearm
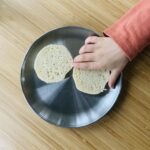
132 31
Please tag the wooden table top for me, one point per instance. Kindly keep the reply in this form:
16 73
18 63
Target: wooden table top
126 127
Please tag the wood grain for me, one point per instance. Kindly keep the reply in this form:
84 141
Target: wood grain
126 127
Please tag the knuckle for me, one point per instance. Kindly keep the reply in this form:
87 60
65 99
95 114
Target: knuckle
89 47
89 38
94 38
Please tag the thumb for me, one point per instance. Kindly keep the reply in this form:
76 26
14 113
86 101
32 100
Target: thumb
113 77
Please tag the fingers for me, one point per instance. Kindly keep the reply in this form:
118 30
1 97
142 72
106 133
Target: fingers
86 65
113 77
88 48
91 40
84 57
89 65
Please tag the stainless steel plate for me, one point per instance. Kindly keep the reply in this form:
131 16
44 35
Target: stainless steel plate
61 103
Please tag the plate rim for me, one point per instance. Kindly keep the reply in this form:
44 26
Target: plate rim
27 99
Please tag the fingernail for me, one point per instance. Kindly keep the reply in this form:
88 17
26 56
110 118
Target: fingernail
74 59
75 66
112 87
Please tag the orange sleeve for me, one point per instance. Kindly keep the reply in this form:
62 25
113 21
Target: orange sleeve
132 31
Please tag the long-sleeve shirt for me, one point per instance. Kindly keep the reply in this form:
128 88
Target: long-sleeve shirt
132 31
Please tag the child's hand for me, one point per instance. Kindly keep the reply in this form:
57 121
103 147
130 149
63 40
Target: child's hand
102 53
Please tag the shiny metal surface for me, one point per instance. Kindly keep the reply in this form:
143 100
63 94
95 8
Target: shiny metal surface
61 103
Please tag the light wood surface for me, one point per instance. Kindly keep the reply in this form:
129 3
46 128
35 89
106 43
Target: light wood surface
126 127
